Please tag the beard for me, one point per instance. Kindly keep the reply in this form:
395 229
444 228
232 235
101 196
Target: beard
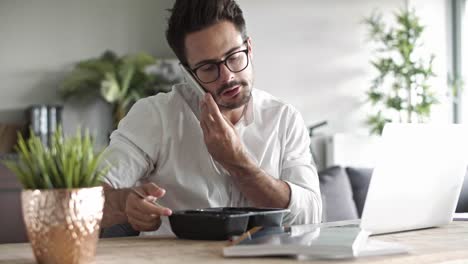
241 99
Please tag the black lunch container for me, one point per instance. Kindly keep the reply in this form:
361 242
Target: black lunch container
221 223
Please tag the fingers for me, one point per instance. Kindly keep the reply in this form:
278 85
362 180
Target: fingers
144 226
142 213
140 216
205 129
228 121
151 189
206 120
212 108
211 118
147 207
206 114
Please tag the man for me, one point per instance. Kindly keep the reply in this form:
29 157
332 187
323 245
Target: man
235 146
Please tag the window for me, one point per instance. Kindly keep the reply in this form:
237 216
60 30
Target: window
458 76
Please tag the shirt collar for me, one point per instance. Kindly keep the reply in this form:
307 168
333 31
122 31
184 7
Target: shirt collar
248 115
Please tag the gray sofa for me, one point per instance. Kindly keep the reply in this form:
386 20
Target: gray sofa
344 192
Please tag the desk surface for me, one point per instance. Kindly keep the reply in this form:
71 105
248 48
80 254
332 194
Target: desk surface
436 245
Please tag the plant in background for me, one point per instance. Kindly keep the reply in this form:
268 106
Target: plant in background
120 81
400 92
456 86
67 163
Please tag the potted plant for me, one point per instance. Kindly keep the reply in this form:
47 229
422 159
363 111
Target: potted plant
400 92
120 81
62 200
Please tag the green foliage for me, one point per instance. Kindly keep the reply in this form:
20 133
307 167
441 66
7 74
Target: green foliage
400 91
67 163
117 80
377 123
120 81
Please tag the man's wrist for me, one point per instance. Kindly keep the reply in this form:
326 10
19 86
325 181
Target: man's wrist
245 167
258 186
114 207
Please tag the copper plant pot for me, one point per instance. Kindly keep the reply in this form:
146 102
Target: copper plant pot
63 224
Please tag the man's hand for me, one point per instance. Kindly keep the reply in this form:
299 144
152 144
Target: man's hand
143 214
220 136
225 146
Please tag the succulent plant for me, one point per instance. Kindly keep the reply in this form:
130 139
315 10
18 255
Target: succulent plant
68 162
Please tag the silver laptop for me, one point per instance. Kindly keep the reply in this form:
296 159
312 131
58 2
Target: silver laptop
417 179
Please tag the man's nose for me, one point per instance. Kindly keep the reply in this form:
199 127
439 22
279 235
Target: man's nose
225 75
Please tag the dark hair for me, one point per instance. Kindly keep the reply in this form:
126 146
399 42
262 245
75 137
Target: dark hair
194 15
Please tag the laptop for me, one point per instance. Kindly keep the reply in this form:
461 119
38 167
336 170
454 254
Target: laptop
417 179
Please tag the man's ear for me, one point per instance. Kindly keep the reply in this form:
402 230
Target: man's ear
249 46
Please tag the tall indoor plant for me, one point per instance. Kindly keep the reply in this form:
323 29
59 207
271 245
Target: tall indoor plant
120 81
62 201
400 92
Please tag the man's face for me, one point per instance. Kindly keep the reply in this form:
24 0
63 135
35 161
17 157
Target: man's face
231 90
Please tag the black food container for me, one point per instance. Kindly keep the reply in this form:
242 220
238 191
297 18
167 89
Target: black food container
221 223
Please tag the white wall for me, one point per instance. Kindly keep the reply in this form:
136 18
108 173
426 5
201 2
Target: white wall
313 54
40 40
310 53
435 15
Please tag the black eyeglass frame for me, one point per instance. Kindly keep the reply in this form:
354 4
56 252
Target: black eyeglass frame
246 51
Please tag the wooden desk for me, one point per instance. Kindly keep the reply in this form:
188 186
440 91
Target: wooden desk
447 245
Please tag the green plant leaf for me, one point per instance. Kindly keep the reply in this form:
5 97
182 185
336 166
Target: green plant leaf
126 72
67 163
377 123
139 60
110 88
80 83
23 176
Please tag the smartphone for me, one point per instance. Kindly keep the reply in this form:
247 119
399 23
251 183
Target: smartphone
192 82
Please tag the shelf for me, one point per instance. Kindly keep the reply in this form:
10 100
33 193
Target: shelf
9 156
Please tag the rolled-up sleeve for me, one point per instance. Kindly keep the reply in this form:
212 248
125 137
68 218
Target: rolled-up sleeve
305 203
127 163
300 174
132 151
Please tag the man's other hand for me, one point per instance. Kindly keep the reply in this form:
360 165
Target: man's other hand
144 214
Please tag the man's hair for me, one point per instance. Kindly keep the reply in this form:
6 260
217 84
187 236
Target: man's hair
194 15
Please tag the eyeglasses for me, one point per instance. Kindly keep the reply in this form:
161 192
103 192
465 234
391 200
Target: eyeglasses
235 62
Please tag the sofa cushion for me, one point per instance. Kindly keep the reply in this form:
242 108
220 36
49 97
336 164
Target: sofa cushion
359 179
337 196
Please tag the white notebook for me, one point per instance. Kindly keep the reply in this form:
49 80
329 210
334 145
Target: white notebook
310 241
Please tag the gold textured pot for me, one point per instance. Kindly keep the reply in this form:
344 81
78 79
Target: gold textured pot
63 224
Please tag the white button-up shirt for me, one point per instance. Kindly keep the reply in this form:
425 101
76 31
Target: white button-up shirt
160 140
